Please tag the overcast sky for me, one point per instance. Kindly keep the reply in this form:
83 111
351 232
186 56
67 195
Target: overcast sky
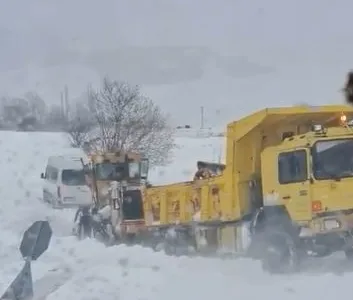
229 56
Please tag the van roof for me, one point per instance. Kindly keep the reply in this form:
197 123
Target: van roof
65 162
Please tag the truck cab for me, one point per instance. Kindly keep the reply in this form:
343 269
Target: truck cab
312 179
304 162
126 170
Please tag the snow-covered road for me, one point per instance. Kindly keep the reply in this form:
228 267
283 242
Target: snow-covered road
88 270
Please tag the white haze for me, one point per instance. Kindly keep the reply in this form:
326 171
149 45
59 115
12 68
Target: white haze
229 56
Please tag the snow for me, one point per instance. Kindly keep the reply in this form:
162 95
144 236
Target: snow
189 150
87 270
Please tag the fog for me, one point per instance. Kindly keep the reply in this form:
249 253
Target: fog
231 57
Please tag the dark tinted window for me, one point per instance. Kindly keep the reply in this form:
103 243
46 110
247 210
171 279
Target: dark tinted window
133 205
333 159
111 171
292 167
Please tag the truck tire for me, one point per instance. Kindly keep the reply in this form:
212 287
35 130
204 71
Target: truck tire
281 253
85 228
177 243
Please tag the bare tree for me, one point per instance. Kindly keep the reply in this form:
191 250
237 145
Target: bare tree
78 131
80 125
127 120
55 119
37 106
23 113
14 110
28 123
348 89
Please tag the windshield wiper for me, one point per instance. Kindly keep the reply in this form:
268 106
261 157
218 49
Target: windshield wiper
333 176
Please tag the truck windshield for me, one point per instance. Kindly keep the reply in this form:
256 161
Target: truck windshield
134 170
333 159
111 171
73 177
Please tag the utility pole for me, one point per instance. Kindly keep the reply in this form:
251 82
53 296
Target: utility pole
62 104
202 117
66 97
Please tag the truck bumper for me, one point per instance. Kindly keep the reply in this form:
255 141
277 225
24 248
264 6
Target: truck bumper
329 233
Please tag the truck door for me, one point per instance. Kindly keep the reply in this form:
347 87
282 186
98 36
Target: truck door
294 183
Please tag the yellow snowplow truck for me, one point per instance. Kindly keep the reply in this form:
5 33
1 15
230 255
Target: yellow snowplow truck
285 192
116 180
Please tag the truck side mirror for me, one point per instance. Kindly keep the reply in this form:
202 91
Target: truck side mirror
144 168
42 176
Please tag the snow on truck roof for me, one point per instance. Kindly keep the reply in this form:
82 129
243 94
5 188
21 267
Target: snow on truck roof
66 162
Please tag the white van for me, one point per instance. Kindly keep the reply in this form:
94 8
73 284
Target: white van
64 183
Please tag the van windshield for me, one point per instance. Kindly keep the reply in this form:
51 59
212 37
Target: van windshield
73 177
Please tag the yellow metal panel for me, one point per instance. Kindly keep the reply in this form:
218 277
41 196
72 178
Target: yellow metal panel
228 241
203 200
163 207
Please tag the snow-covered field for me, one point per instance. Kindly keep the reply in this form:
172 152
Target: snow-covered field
87 270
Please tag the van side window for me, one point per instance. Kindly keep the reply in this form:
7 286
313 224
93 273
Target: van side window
292 167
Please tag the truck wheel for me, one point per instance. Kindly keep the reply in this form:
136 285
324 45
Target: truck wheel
280 253
177 243
85 228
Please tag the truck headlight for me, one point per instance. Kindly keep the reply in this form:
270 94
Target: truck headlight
331 224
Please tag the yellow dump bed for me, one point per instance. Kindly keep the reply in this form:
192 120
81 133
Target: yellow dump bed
184 202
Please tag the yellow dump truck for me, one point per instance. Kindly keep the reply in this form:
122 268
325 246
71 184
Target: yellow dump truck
284 193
